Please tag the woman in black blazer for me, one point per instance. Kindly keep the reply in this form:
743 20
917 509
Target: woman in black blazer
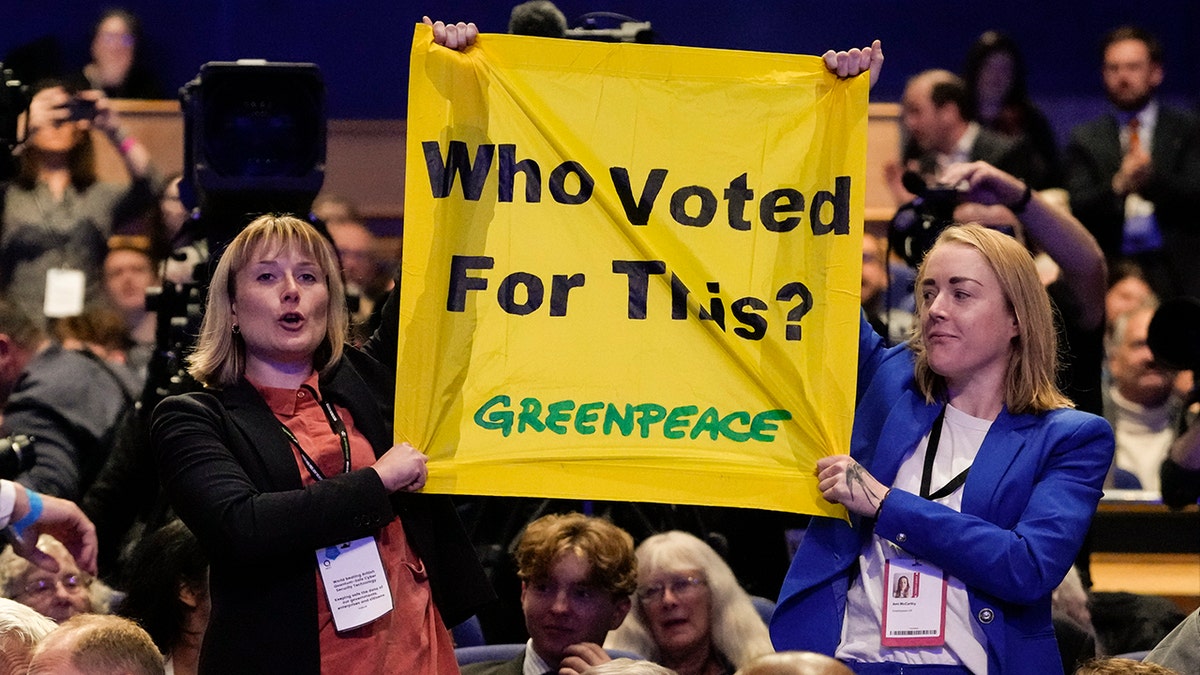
286 456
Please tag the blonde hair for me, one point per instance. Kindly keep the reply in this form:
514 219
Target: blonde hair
738 631
220 355
1029 384
14 568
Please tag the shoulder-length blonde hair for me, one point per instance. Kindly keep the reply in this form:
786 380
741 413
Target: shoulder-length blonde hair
738 631
1029 384
219 359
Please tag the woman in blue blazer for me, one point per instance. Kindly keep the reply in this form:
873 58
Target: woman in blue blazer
987 527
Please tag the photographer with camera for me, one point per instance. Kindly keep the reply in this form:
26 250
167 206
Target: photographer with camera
57 216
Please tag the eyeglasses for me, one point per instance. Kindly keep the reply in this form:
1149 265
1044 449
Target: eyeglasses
71 583
680 587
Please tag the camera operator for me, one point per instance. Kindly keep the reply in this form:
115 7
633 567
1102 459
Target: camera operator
27 514
57 216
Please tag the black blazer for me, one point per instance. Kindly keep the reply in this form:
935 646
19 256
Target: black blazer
1093 157
231 476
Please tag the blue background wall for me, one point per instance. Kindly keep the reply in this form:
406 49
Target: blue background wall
362 47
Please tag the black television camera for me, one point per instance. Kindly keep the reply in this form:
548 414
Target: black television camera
16 455
1174 334
918 223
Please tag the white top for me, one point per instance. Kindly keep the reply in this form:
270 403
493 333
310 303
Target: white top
1144 436
8 499
534 665
966 645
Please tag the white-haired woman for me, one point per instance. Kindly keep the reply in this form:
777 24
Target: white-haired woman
689 613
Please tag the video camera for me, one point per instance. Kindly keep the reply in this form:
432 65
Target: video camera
16 455
254 143
918 223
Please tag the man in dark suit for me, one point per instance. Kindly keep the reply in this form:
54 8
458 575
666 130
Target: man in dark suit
938 115
577 575
1134 173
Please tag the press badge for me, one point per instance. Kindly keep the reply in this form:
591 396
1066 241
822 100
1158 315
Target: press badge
355 583
64 292
914 604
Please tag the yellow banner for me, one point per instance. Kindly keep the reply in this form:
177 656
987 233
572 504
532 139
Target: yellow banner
631 272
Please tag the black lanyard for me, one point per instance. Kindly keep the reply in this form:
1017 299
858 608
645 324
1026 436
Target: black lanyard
335 423
935 436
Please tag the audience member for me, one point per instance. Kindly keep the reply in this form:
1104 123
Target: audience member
58 595
539 18
21 629
333 208
1111 665
888 308
69 401
27 515
1139 403
1127 290
1131 622
1073 622
1134 173
938 115
129 271
363 272
57 215
100 330
577 574
995 78
282 387
166 585
795 663
173 237
94 644
117 67
1180 474
689 613
1180 649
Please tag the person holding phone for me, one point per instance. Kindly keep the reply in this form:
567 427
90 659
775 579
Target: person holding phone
57 214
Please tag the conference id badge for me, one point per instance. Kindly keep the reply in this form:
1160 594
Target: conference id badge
914 604
64 292
355 583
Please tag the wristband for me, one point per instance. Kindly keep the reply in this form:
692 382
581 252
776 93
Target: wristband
35 512
880 507
128 142
1019 205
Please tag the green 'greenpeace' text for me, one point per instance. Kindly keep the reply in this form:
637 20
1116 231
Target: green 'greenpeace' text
644 419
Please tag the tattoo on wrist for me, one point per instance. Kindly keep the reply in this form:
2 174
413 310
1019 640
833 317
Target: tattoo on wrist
855 477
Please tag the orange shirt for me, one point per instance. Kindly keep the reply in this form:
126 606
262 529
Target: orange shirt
409 639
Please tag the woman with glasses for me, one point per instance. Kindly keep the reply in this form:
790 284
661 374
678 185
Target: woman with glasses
58 595
689 613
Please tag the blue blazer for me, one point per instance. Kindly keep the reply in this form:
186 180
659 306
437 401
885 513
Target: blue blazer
1026 507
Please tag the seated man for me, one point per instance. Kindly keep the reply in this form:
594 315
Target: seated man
68 401
1140 403
95 644
577 574
21 630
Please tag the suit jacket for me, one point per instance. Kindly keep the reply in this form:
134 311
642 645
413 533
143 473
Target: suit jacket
232 477
1026 506
513 666
1093 157
1006 153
